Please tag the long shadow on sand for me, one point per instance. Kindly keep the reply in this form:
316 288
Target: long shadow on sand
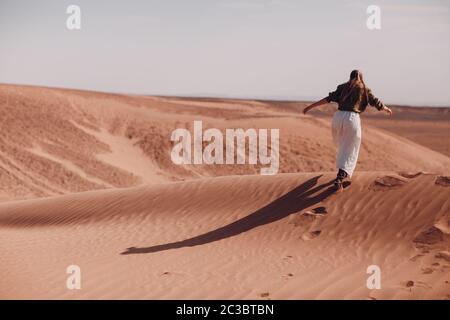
295 200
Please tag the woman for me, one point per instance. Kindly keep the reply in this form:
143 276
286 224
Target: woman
352 98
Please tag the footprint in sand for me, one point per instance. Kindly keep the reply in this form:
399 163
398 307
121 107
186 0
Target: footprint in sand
303 219
427 270
443 224
288 276
445 255
416 284
442 181
308 217
171 274
311 235
320 210
409 284
387 183
416 257
430 236
409 175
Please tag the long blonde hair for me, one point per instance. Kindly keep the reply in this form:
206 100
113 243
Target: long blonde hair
355 85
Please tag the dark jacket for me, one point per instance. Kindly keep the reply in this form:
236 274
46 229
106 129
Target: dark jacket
355 99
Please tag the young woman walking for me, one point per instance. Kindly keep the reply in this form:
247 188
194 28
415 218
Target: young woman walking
352 97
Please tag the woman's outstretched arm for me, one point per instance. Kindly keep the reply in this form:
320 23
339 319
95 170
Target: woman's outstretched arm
316 104
374 101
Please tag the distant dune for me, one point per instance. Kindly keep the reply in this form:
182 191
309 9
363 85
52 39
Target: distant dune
86 179
58 141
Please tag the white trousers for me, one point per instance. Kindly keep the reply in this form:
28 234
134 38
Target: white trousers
346 130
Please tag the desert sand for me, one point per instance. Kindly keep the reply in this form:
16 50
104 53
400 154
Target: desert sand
86 179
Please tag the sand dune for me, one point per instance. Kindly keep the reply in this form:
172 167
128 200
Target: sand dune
59 141
286 236
86 179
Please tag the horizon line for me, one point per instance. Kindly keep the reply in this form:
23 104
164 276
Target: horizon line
279 98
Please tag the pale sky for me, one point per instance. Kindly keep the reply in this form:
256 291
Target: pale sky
281 49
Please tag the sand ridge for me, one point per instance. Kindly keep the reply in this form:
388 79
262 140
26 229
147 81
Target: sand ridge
90 140
86 179
217 241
